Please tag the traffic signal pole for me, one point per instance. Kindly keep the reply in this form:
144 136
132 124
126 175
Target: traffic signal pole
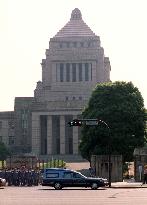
109 152
95 122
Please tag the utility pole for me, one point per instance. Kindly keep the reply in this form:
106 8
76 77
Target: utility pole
109 151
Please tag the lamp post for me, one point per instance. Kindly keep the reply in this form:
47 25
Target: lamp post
109 152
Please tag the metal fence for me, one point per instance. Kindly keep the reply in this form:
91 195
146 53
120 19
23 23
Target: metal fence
39 164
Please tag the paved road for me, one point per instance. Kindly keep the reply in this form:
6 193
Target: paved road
48 196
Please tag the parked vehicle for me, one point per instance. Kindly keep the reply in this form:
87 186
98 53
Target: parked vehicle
59 178
2 182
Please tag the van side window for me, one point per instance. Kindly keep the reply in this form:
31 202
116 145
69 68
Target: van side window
67 175
52 175
76 175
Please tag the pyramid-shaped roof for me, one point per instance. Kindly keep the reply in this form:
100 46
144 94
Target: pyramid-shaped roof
76 27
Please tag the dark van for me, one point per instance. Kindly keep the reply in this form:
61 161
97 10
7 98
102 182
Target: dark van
59 178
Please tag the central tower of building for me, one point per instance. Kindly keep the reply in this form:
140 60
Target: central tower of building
74 64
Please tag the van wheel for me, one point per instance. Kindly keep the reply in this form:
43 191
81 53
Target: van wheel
57 186
94 186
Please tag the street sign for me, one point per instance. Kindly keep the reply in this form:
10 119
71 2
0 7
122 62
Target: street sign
92 122
89 122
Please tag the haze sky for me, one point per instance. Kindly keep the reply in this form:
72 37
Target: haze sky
26 27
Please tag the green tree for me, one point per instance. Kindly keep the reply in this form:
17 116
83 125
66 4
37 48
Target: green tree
4 152
121 106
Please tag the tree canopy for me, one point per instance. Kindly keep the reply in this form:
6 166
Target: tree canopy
120 105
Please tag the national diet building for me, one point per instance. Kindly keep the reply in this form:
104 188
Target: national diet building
74 64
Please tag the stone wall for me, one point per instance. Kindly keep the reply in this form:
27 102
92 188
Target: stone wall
100 164
140 160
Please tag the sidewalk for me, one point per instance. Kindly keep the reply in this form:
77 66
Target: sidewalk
128 185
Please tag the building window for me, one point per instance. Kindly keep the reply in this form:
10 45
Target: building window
86 44
11 140
1 138
61 72
0 124
74 44
82 44
67 44
60 45
67 72
11 124
73 72
80 71
24 119
24 124
86 72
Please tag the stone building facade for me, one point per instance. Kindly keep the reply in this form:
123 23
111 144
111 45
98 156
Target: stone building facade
74 64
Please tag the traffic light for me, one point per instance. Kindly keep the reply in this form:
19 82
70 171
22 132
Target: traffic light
75 122
70 123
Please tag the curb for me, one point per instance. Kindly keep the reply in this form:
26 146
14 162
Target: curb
128 187
128 184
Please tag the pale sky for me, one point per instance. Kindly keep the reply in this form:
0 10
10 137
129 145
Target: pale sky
26 27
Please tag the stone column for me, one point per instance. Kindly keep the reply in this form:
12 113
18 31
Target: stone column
94 72
58 72
53 72
90 71
49 135
75 137
89 77
62 134
77 72
35 133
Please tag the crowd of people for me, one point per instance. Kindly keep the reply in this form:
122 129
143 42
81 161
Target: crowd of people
21 176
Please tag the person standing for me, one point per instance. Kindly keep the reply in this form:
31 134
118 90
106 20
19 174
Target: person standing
145 175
